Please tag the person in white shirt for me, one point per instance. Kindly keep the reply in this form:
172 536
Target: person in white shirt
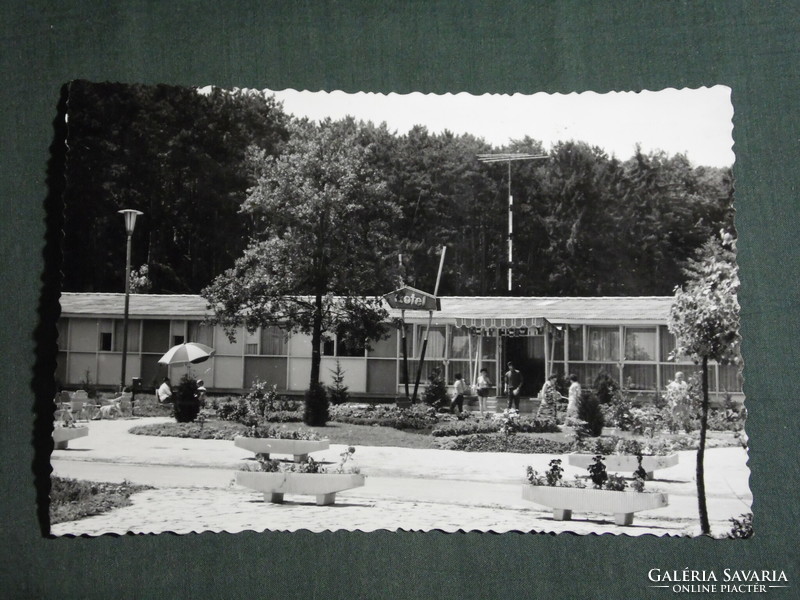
164 391
574 396
458 394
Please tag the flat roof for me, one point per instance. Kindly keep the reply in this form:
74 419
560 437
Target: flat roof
611 309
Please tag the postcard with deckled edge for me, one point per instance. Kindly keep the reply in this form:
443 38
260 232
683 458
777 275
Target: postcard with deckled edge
290 311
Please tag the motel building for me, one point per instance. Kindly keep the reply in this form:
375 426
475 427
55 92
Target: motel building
625 336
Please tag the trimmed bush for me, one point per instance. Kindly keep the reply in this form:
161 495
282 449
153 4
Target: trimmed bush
435 393
187 400
590 413
316 408
605 386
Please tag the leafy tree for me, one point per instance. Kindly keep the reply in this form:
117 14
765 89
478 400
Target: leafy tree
704 317
175 153
323 244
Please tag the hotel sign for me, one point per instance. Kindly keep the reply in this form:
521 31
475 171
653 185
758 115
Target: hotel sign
408 298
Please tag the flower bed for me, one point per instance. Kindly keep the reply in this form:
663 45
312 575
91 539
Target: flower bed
499 442
608 495
627 462
274 479
470 426
418 417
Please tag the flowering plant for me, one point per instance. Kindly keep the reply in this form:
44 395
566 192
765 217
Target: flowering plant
281 433
600 478
509 421
346 465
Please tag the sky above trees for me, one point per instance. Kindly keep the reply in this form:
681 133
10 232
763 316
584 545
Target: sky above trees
697 123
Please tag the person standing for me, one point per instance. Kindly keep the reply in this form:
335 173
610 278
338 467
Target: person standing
484 383
550 398
458 394
201 393
678 398
513 385
574 397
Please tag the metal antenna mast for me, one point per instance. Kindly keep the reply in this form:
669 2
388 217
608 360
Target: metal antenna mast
509 157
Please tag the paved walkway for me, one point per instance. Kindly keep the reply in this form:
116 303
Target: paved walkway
406 489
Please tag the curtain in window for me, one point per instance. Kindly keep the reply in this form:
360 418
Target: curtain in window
575 342
640 343
436 342
133 335
603 343
273 341
200 333
459 343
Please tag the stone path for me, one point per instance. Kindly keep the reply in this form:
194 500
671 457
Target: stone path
406 489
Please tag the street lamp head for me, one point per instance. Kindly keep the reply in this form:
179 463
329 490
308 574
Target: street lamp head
130 218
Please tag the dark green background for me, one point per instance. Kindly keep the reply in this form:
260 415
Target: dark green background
437 47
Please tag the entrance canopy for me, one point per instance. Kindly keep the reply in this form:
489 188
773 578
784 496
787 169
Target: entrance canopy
504 326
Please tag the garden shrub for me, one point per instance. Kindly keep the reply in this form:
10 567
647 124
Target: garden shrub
604 387
187 400
261 397
73 499
316 406
237 410
621 407
435 393
283 416
590 413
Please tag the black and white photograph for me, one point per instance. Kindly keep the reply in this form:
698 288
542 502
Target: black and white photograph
287 310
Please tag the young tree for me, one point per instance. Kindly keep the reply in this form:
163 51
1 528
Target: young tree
704 317
322 254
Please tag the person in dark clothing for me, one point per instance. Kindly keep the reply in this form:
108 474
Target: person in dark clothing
513 385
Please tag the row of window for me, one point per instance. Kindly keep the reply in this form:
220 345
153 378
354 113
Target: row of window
584 343
633 354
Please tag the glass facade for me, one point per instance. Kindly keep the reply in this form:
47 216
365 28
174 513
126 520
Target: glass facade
636 356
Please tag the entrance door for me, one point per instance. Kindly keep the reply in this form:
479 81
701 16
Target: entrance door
527 355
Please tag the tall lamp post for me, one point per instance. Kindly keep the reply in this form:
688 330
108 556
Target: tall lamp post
509 157
130 222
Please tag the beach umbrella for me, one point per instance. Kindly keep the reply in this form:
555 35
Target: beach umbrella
188 352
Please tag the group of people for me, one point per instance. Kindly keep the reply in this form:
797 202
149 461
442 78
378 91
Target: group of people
513 381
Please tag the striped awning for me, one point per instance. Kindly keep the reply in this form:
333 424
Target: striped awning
504 326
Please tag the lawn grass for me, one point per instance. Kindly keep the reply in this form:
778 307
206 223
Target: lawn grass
72 499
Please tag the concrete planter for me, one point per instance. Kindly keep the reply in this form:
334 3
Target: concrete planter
62 435
300 449
565 500
322 485
626 462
